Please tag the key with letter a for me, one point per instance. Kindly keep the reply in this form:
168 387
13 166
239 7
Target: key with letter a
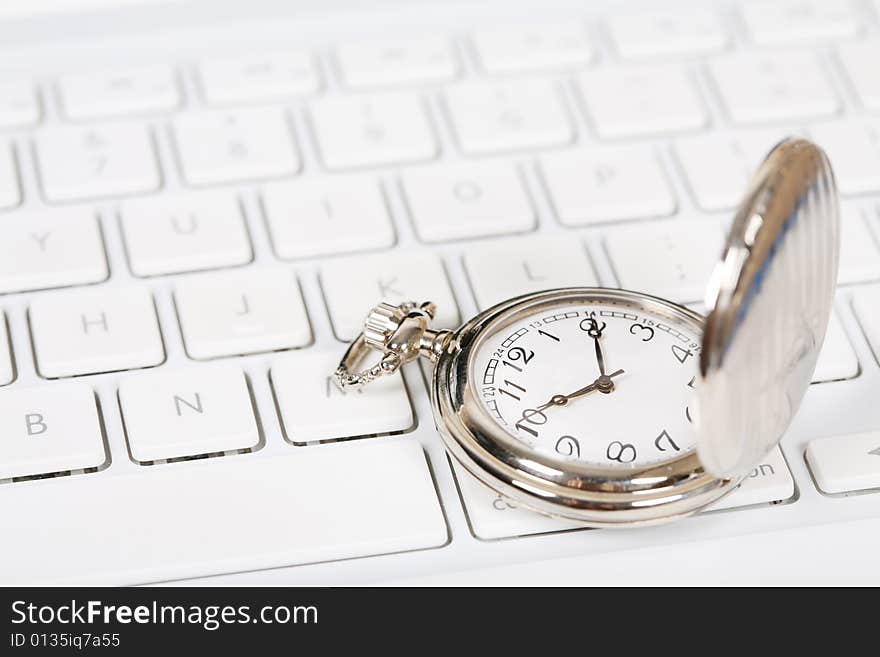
50 428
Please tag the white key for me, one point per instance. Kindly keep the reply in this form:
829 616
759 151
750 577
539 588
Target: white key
667 259
758 88
768 482
492 517
467 200
184 232
854 150
845 463
10 193
51 248
314 409
241 312
538 47
7 366
320 216
97 330
667 33
719 166
837 360
507 269
859 61
387 277
505 116
798 21
866 304
258 77
607 184
49 428
372 130
225 146
643 100
859 256
376 497
121 92
96 161
368 64
176 413
19 105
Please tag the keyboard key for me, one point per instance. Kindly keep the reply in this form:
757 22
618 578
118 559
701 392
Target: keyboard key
224 146
505 116
492 517
353 286
7 366
768 482
241 312
177 413
92 331
667 33
866 304
854 149
360 511
859 257
48 429
96 161
51 248
19 105
606 184
385 63
314 409
507 269
184 232
538 47
798 21
371 130
322 216
258 77
841 464
122 92
10 193
859 62
467 200
734 158
837 360
672 260
643 100
758 88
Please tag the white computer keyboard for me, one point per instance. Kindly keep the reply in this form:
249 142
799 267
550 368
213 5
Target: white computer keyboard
194 220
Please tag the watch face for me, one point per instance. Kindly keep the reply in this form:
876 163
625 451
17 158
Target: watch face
608 382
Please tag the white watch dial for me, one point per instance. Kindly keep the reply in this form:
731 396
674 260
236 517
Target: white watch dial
609 384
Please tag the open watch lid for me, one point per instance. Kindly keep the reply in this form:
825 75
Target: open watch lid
769 302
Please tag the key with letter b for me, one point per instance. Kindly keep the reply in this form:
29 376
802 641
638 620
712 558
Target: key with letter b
51 428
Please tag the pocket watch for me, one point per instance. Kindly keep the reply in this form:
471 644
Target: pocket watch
615 408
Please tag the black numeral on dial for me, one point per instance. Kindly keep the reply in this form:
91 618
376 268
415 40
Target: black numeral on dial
681 353
664 437
531 416
568 446
645 333
621 452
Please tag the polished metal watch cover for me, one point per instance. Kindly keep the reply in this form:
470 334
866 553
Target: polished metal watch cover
768 303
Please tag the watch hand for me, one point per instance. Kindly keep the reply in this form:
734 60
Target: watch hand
603 383
595 332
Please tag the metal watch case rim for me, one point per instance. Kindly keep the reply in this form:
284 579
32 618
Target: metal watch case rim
592 495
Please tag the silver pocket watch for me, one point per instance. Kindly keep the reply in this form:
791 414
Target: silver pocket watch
615 408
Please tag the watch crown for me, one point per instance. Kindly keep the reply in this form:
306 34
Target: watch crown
381 324
385 319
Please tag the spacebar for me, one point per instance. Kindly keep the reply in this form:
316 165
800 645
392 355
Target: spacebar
221 515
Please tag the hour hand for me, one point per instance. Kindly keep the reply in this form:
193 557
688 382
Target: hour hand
603 383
